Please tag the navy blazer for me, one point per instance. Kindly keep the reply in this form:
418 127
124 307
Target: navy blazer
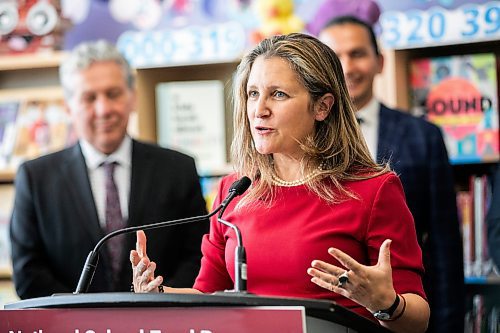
416 151
55 225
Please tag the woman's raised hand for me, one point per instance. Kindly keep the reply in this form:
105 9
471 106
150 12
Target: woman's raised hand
143 269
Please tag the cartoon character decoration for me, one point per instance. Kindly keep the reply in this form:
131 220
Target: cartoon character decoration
30 25
277 18
366 10
143 14
159 14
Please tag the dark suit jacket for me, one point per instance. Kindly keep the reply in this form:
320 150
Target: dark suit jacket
417 153
55 225
493 220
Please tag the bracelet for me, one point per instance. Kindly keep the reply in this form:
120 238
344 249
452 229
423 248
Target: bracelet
402 310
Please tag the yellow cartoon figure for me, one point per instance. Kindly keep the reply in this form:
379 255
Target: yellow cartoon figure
278 18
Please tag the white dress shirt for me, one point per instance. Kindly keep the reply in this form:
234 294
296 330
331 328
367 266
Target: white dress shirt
94 160
369 116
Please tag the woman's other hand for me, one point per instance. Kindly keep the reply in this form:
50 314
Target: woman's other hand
369 286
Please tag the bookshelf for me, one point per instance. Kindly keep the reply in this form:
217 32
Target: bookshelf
22 76
28 77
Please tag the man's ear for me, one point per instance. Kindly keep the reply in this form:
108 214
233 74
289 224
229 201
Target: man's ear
380 63
323 106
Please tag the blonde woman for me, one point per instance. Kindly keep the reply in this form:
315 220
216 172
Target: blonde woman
321 219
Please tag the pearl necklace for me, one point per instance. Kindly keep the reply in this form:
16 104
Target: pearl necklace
280 182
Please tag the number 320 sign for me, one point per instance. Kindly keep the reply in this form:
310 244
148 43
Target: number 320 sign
437 26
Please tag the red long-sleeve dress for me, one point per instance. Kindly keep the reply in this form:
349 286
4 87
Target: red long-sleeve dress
281 241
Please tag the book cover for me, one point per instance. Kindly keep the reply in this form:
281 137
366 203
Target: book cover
8 115
42 126
460 94
6 204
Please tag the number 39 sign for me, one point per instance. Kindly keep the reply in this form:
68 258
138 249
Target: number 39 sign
437 26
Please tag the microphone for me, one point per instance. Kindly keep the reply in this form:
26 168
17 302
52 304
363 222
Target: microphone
240 257
89 268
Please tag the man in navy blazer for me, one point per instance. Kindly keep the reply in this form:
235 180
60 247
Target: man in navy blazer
416 151
60 206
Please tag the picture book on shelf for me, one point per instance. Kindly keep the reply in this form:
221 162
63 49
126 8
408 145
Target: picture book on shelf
8 115
42 126
6 204
460 94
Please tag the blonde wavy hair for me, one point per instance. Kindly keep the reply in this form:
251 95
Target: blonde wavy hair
337 143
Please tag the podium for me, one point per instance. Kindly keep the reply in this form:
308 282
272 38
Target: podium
186 313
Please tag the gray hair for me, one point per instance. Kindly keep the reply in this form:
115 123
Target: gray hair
87 53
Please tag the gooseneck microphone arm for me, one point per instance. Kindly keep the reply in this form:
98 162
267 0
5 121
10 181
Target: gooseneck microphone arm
90 265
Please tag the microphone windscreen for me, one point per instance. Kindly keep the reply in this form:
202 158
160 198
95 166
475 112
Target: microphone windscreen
240 186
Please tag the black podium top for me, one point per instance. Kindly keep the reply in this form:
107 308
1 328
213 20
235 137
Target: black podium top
321 309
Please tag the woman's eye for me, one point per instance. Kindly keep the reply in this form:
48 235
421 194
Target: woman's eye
279 94
252 93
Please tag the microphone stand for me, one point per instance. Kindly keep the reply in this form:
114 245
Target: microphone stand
240 258
93 257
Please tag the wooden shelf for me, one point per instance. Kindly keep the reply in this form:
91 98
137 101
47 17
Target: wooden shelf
30 61
483 280
488 286
5 273
7 176
31 93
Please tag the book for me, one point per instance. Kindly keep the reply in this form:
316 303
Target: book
464 205
6 204
209 187
460 94
8 115
42 126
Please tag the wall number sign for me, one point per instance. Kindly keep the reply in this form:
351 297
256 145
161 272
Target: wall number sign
436 26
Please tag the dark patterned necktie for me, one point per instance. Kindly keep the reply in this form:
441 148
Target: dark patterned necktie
114 219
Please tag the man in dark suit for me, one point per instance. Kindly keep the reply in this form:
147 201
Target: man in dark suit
64 201
416 151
